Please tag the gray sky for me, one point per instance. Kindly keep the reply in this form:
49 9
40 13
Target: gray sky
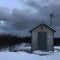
19 15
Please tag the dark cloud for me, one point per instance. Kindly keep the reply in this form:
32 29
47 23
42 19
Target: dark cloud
4 12
45 8
32 12
17 19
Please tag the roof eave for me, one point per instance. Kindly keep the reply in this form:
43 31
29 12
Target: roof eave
46 25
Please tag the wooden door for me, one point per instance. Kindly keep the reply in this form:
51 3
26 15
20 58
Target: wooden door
42 41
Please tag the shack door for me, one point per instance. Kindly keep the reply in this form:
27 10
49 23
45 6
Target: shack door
42 41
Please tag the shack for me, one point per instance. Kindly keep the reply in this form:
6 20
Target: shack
42 37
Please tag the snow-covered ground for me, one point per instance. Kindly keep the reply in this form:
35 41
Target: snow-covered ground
27 56
57 47
21 47
6 55
38 52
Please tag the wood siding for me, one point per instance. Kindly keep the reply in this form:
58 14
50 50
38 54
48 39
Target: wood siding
49 37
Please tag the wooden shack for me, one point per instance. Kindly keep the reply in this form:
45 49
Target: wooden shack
42 37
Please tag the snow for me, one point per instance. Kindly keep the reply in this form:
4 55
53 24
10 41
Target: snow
6 55
21 47
26 56
24 48
38 52
57 47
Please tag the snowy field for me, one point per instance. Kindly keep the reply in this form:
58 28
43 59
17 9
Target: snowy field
6 55
26 56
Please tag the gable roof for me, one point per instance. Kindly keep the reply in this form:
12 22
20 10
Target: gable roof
44 23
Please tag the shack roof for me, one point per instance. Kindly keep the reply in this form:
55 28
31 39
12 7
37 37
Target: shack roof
44 23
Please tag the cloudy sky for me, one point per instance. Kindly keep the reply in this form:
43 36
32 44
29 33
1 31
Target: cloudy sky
17 16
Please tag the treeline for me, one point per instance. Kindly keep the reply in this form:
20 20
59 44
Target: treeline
57 41
9 40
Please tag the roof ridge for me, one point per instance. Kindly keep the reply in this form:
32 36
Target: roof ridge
43 22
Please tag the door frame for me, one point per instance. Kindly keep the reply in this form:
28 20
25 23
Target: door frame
38 40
